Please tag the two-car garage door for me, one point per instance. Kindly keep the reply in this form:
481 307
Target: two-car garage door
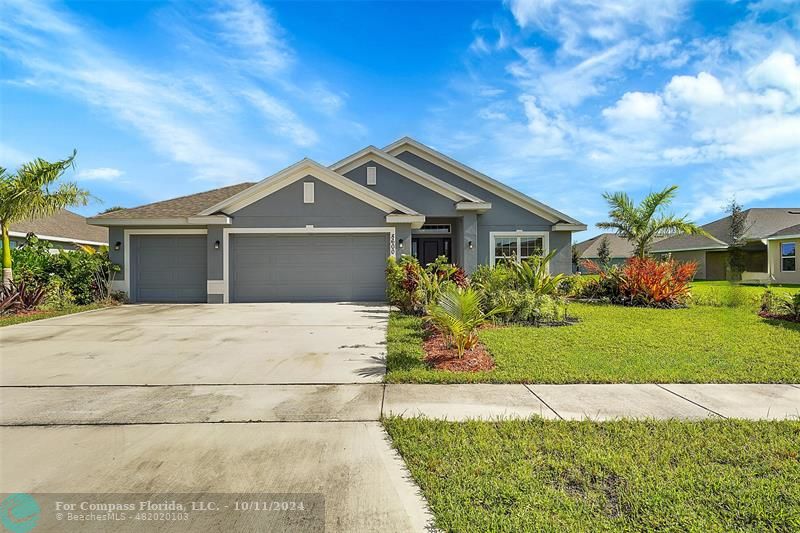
263 267
307 267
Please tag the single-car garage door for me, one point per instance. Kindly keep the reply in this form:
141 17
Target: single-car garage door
168 268
308 268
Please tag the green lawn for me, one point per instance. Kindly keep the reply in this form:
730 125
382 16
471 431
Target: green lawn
614 344
723 293
10 320
539 475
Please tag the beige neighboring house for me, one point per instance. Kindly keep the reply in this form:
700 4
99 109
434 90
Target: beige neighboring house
62 231
782 246
588 250
772 236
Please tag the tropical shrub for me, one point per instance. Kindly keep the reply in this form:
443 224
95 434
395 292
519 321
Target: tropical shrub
642 281
20 296
781 306
57 295
412 288
524 291
87 273
457 314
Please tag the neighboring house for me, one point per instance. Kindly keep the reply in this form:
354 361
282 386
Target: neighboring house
61 231
320 233
771 236
621 249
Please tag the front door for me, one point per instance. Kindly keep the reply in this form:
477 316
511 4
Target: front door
429 248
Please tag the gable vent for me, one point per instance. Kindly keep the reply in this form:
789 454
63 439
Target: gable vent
308 192
372 175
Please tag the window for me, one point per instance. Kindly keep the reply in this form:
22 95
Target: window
372 175
308 192
788 257
434 228
520 245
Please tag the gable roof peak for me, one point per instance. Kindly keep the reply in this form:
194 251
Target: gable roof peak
482 180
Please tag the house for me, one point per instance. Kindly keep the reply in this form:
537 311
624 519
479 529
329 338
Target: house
771 235
317 233
588 250
63 230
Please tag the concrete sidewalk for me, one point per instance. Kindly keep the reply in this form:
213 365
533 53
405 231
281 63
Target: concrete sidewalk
595 402
182 404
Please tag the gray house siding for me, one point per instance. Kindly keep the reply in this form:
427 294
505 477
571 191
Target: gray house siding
503 216
401 189
331 208
116 235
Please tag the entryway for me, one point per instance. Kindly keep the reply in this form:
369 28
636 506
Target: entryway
429 248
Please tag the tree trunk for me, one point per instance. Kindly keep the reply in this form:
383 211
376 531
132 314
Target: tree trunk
8 275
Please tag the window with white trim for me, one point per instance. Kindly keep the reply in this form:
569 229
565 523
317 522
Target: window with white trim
519 245
788 257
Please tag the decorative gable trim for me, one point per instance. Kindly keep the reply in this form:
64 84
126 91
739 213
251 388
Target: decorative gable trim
407 144
298 171
371 153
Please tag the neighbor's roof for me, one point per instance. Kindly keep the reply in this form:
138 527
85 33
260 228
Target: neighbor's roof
63 226
791 230
760 223
619 247
184 206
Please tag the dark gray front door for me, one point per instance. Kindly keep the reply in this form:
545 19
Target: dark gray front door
429 248
168 268
308 268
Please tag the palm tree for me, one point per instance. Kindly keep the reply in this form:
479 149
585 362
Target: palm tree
643 224
27 195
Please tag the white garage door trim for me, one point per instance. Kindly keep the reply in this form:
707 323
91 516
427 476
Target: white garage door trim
289 231
125 284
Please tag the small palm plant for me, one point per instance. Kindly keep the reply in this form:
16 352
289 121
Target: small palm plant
457 315
34 192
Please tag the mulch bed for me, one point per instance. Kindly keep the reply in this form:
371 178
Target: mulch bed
439 356
786 318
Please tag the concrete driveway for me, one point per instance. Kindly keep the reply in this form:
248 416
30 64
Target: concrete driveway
154 399
201 344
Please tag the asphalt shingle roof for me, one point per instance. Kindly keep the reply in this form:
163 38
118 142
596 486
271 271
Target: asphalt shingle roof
760 223
184 206
791 230
64 224
620 247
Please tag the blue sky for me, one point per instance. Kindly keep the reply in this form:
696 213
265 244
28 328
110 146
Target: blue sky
561 99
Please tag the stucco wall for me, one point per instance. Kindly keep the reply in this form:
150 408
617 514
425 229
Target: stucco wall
331 208
775 262
695 255
401 189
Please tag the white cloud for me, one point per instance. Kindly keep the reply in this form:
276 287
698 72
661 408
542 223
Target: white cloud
578 24
695 91
283 118
635 107
558 86
779 71
100 174
249 26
